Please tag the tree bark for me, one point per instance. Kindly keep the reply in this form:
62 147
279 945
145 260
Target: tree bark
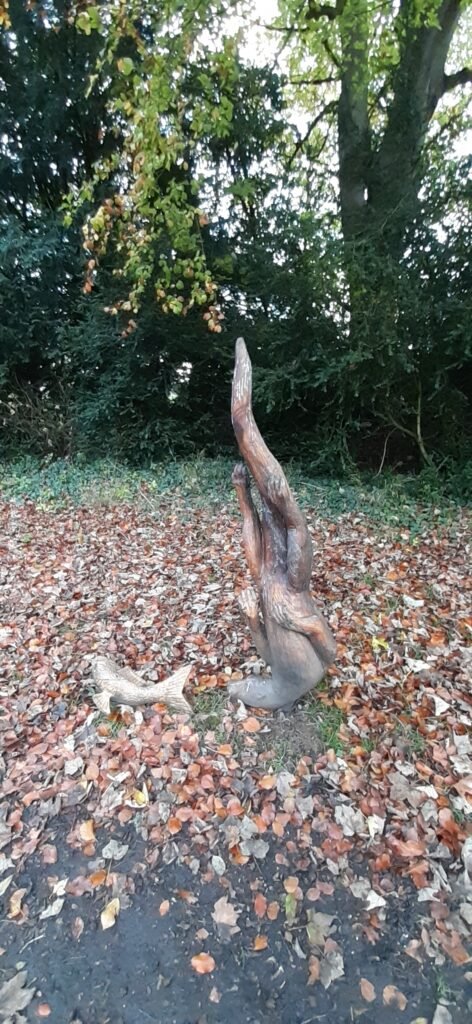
287 627
379 184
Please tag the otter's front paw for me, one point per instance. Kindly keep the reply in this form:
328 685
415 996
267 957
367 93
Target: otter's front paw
249 604
277 487
240 475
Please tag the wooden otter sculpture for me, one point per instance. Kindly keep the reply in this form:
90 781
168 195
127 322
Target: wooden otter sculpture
286 626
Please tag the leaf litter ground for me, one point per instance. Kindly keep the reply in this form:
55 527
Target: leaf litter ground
235 865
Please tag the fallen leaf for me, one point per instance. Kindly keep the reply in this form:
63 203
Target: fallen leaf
332 967
52 910
78 886
314 967
164 908
367 990
452 945
86 831
442 1015
203 963
273 911
5 862
4 885
97 878
16 899
14 997
114 850
73 766
43 1010
291 884
49 854
218 865
351 820
413 949
267 782
255 847
77 927
251 724
225 917
393 997
408 848
139 798
318 928
260 905
260 942
110 913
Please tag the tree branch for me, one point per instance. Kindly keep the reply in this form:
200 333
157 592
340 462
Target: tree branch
330 107
458 78
313 81
317 11
417 85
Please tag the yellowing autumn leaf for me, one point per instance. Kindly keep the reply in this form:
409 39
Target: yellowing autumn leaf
379 644
140 798
203 963
109 915
87 831
260 942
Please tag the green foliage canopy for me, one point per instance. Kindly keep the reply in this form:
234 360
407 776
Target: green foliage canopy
315 198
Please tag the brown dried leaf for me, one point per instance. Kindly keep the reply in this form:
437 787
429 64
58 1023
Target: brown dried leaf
14 997
291 884
87 831
314 970
267 782
77 927
393 997
260 905
110 913
273 911
367 990
203 963
14 905
251 724
225 916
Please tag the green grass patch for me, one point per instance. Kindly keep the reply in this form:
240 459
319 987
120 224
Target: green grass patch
208 710
403 501
328 720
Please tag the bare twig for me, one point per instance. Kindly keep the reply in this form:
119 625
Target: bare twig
330 107
387 439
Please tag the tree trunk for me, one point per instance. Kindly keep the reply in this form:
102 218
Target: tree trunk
380 177
379 183
287 628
